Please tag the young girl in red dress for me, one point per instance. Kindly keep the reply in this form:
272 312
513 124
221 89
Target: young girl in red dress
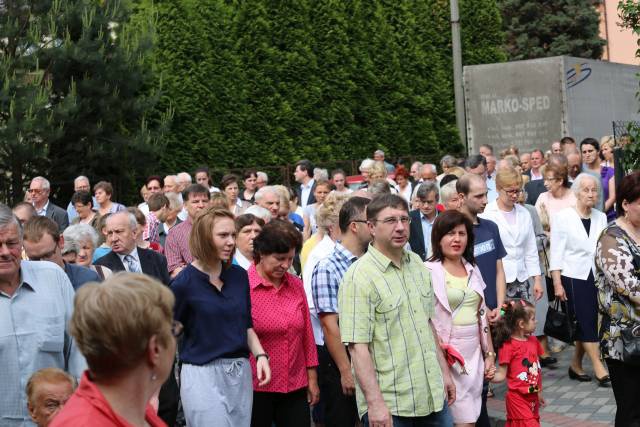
519 359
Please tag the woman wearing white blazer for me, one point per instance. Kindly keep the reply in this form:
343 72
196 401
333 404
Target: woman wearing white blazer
574 235
518 237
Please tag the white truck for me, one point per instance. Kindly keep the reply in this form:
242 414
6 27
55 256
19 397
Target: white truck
530 104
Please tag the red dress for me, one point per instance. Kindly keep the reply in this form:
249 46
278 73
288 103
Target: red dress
88 407
524 381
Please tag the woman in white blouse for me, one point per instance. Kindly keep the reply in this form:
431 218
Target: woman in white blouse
518 237
574 235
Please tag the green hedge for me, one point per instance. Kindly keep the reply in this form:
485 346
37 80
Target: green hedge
268 82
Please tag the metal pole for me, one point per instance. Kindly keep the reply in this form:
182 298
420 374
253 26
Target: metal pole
457 72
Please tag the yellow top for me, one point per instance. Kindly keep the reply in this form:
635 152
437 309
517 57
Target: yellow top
462 298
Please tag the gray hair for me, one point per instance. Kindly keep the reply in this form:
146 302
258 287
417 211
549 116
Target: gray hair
418 164
426 166
264 191
7 218
320 174
577 183
366 164
378 153
447 191
426 188
133 222
78 233
263 176
448 161
184 178
80 178
379 186
175 201
46 185
174 177
259 212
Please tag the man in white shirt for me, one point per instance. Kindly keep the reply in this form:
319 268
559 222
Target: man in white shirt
303 175
537 160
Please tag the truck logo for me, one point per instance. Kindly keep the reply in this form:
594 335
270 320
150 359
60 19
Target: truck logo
578 73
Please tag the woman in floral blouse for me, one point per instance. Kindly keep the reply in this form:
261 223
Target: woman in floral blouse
618 282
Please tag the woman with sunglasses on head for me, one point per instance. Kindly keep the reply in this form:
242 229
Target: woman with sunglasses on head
461 315
213 303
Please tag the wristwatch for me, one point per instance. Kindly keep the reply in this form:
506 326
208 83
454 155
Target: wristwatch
258 356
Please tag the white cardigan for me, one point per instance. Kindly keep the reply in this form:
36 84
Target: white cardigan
572 251
519 241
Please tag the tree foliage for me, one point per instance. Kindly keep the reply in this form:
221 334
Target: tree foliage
77 94
268 82
537 29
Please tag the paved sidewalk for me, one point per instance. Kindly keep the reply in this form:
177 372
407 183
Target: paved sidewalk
569 402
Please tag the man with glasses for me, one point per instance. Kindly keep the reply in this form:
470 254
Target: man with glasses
422 219
36 303
39 195
43 242
386 304
336 380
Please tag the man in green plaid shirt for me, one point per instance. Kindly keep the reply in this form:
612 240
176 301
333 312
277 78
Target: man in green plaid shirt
385 304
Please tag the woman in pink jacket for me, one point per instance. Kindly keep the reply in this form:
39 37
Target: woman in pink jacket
461 313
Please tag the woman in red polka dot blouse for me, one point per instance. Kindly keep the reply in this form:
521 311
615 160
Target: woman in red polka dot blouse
281 320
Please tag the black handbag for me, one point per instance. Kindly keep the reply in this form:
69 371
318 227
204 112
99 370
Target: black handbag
631 345
559 324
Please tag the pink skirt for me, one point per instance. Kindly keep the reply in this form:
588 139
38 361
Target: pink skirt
466 408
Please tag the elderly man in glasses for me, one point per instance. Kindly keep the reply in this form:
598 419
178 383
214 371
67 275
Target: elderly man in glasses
39 195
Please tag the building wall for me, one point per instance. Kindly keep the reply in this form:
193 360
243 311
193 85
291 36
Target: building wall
621 42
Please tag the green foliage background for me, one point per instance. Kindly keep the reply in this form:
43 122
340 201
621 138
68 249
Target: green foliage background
543 28
267 82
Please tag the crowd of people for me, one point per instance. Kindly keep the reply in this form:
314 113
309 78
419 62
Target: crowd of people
396 303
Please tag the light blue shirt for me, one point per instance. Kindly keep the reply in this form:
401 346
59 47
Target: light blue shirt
492 193
427 226
305 192
34 334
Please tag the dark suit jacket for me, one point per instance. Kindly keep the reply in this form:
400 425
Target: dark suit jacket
58 215
312 197
416 238
534 189
153 264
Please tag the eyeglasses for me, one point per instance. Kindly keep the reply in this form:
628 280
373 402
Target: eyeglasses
551 179
363 221
35 191
513 192
177 328
392 220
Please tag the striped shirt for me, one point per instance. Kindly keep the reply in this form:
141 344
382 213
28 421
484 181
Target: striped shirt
177 246
327 276
389 307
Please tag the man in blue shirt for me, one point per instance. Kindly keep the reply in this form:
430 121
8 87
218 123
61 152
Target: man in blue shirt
422 219
36 303
42 242
336 379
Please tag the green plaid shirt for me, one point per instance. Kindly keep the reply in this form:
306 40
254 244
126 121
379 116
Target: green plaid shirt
389 308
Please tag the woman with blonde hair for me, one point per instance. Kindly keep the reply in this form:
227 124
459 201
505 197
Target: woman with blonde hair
607 144
558 195
213 303
517 235
125 330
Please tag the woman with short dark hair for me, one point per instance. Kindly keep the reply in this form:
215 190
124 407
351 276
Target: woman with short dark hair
83 204
229 186
103 191
461 315
248 227
618 282
249 179
281 318
590 149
